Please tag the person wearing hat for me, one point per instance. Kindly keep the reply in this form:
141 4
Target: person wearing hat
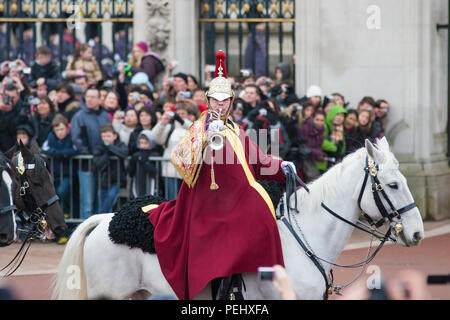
144 61
314 94
142 171
220 203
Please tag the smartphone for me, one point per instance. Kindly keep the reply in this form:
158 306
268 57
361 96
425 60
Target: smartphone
186 94
265 273
211 68
245 72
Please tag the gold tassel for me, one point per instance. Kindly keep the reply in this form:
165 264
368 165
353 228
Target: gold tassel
214 185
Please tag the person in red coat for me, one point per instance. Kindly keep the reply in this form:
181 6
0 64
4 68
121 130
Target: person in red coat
222 223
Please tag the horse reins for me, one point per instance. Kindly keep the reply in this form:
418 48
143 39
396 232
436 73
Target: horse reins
371 169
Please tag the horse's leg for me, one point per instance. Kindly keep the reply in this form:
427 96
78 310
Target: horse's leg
111 269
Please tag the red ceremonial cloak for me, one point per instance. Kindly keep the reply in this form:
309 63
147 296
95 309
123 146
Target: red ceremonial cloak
206 234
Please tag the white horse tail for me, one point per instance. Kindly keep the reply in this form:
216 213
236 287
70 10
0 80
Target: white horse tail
70 282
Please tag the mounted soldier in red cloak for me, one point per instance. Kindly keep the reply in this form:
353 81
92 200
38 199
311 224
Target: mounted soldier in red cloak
223 222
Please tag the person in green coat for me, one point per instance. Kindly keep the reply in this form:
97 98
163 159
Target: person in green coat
334 140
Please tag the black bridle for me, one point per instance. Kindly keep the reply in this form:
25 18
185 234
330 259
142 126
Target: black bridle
371 169
36 222
37 213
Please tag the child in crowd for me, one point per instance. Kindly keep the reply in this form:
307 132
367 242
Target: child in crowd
84 60
141 169
111 171
334 139
44 70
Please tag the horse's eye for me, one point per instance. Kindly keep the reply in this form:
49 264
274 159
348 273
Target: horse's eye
393 185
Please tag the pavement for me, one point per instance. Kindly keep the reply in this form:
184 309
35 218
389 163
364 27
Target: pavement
33 280
43 257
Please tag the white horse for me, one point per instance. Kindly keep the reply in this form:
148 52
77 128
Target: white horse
93 266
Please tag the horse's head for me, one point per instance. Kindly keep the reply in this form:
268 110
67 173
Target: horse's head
7 210
387 187
37 190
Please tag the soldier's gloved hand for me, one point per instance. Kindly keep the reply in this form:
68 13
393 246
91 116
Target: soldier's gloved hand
216 126
286 164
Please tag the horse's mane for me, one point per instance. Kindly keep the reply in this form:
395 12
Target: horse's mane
330 183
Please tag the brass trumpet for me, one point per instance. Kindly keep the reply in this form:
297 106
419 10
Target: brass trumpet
216 140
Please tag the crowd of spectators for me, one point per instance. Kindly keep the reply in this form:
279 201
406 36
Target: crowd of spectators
145 107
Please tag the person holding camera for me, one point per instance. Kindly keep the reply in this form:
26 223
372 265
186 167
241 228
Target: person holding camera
12 113
144 61
167 133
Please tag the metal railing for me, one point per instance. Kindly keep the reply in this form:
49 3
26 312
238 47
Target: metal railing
66 176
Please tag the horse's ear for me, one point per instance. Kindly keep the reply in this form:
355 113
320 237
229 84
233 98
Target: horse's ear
383 144
26 153
34 147
373 152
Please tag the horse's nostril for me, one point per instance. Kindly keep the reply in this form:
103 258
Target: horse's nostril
417 236
59 231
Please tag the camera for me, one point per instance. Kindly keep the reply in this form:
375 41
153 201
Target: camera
246 72
12 64
7 99
239 106
171 114
263 112
33 100
171 80
265 273
438 279
284 90
26 71
108 84
299 108
185 94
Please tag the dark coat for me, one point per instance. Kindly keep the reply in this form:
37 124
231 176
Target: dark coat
141 168
50 72
313 137
111 171
61 151
8 125
42 127
151 65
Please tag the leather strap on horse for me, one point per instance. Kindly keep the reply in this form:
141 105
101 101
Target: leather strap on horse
311 255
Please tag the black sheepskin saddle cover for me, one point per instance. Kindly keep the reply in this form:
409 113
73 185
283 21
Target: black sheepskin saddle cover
130 225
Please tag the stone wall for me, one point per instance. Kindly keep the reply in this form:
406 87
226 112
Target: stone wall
391 50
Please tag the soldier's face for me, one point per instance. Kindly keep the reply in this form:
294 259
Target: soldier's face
220 106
